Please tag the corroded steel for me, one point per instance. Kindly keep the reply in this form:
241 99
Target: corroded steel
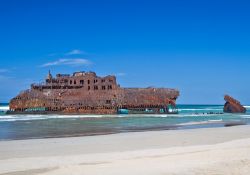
87 93
233 106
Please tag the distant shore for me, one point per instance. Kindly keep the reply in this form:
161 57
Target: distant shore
198 151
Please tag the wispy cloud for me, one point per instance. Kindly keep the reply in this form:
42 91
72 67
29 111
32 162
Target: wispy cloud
3 73
73 52
121 74
69 62
3 77
4 70
76 52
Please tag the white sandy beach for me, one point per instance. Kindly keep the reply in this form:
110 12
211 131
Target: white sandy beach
198 151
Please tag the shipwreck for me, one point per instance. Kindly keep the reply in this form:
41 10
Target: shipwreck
87 93
233 106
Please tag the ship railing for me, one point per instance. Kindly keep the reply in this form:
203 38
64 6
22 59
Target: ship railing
38 84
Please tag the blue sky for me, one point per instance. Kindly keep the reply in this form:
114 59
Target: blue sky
200 47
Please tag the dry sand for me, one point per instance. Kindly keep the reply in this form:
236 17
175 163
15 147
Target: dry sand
199 151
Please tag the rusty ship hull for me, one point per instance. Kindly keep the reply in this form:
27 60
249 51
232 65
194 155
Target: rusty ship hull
87 93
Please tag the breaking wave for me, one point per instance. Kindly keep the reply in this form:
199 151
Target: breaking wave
4 108
28 117
44 117
206 109
192 112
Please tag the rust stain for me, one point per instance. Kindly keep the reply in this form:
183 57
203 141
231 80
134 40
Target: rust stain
87 93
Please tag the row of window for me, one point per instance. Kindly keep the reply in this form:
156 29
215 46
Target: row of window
75 81
82 81
109 87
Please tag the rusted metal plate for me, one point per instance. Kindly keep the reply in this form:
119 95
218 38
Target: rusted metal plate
86 93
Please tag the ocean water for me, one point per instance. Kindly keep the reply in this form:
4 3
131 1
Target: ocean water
46 126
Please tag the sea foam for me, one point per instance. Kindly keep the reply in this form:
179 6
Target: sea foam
4 108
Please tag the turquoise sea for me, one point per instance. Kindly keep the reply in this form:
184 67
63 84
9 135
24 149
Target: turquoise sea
45 126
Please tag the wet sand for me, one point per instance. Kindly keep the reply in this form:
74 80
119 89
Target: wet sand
196 151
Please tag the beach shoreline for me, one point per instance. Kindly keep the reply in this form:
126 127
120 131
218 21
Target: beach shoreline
193 151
